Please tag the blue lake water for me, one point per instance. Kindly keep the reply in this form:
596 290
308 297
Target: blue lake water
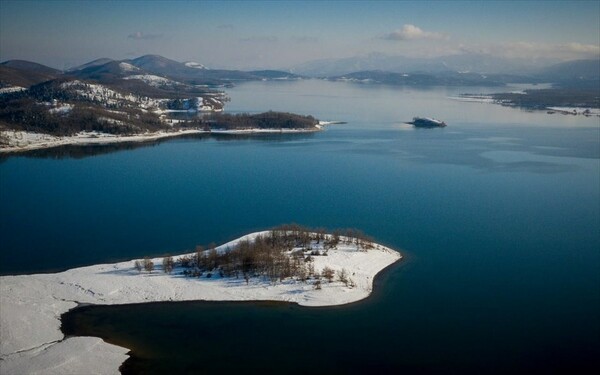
499 215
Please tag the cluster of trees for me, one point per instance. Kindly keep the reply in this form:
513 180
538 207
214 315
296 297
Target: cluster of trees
284 252
266 120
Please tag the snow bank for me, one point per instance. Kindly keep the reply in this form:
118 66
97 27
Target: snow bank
31 305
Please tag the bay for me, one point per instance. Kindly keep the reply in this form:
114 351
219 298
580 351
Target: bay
498 214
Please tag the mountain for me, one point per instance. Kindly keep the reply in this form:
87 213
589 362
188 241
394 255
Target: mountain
30 67
419 79
160 65
466 63
90 64
106 72
573 74
25 73
576 69
195 73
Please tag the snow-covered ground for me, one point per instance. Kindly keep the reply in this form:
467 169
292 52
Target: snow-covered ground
16 141
154 80
10 89
31 305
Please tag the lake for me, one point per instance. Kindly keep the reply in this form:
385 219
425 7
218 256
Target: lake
498 215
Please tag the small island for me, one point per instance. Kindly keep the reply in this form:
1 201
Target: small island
289 264
426 122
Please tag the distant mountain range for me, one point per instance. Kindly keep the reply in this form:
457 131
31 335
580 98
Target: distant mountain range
464 69
466 63
25 73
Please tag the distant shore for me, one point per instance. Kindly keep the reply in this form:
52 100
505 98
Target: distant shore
20 141
31 305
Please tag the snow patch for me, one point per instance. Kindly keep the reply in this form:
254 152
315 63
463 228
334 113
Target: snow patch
62 109
195 65
126 67
10 89
153 80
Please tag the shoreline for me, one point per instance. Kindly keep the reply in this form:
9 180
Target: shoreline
21 141
549 109
131 352
32 305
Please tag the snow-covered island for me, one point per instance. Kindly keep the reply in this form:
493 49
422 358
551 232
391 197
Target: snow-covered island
326 270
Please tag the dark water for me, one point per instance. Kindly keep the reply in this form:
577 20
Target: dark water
499 213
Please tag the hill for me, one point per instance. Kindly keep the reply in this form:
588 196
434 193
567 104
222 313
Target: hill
584 74
25 73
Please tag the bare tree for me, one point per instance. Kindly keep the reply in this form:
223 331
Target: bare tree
148 264
168 263
328 273
343 276
137 265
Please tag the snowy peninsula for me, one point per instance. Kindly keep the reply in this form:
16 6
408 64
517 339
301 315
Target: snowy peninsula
20 141
31 305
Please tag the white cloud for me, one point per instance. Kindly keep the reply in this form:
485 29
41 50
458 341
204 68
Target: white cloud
412 32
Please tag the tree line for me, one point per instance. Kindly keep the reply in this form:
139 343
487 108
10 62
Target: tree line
266 120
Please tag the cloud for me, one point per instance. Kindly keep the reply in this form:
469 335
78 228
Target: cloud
412 32
225 26
259 39
141 36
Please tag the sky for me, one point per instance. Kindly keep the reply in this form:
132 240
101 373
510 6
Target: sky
282 34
